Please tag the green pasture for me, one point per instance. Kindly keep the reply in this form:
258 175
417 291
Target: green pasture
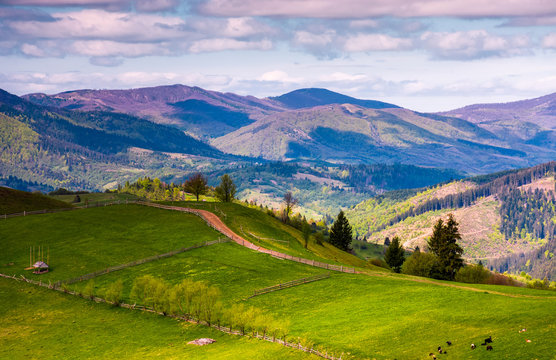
390 317
235 270
88 240
43 324
15 201
95 198
269 232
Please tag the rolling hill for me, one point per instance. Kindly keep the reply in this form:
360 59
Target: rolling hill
352 316
506 220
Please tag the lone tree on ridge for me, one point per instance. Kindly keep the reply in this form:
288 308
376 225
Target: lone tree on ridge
226 191
196 185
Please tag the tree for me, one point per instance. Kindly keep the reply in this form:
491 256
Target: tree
114 292
226 191
443 244
419 264
387 241
196 185
340 233
395 255
289 203
306 230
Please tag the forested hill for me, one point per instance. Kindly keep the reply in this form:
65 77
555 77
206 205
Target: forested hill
508 220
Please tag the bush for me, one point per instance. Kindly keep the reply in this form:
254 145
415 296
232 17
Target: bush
114 292
379 262
420 264
472 274
499 279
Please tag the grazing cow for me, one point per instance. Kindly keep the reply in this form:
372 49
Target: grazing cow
489 347
472 346
440 350
488 340
449 343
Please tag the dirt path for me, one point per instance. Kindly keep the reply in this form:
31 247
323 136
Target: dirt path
214 221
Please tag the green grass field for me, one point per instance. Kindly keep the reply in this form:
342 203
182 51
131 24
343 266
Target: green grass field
383 316
42 324
15 201
237 271
271 233
389 317
89 240
94 198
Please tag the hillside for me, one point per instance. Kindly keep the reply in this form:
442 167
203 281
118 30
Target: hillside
15 201
318 124
332 314
533 120
504 216
353 134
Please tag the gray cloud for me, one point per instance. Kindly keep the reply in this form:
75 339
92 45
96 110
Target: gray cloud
357 9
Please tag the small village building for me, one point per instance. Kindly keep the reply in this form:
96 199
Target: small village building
40 267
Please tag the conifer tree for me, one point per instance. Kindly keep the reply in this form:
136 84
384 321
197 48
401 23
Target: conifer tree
340 233
395 255
443 243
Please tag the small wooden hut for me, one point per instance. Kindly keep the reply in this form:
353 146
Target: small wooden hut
40 267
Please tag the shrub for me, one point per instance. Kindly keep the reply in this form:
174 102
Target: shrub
379 262
420 264
114 292
499 279
89 290
472 274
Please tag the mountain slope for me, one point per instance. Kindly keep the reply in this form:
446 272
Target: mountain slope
198 111
533 119
505 219
304 98
353 134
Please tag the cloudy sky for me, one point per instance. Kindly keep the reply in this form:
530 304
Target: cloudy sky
427 55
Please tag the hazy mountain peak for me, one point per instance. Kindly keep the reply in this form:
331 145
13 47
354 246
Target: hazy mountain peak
310 97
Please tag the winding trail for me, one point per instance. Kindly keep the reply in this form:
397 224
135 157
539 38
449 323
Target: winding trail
214 221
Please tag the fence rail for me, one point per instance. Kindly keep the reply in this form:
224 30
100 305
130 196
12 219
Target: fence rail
289 284
138 262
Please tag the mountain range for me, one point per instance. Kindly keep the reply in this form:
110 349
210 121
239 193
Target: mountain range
318 124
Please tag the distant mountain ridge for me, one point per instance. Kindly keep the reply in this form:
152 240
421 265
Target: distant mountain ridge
323 125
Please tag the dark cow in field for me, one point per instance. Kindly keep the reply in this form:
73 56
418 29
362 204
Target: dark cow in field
489 347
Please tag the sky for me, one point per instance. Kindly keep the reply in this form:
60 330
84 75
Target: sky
425 55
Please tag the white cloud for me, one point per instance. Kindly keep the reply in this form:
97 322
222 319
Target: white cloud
308 38
357 9
341 77
223 44
375 42
95 24
105 48
549 41
278 76
473 44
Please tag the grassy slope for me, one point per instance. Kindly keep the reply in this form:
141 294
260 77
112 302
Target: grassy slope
43 324
368 316
387 317
14 201
237 271
245 221
94 198
92 239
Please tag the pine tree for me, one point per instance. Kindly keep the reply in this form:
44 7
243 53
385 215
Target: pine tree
340 233
395 255
443 243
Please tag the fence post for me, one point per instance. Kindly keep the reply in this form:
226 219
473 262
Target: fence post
23 212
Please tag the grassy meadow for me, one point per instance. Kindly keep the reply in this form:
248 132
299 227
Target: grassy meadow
45 324
92 239
376 316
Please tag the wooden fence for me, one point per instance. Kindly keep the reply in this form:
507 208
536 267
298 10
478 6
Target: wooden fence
289 284
139 262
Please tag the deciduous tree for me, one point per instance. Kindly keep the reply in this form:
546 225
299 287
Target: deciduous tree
196 185
226 191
